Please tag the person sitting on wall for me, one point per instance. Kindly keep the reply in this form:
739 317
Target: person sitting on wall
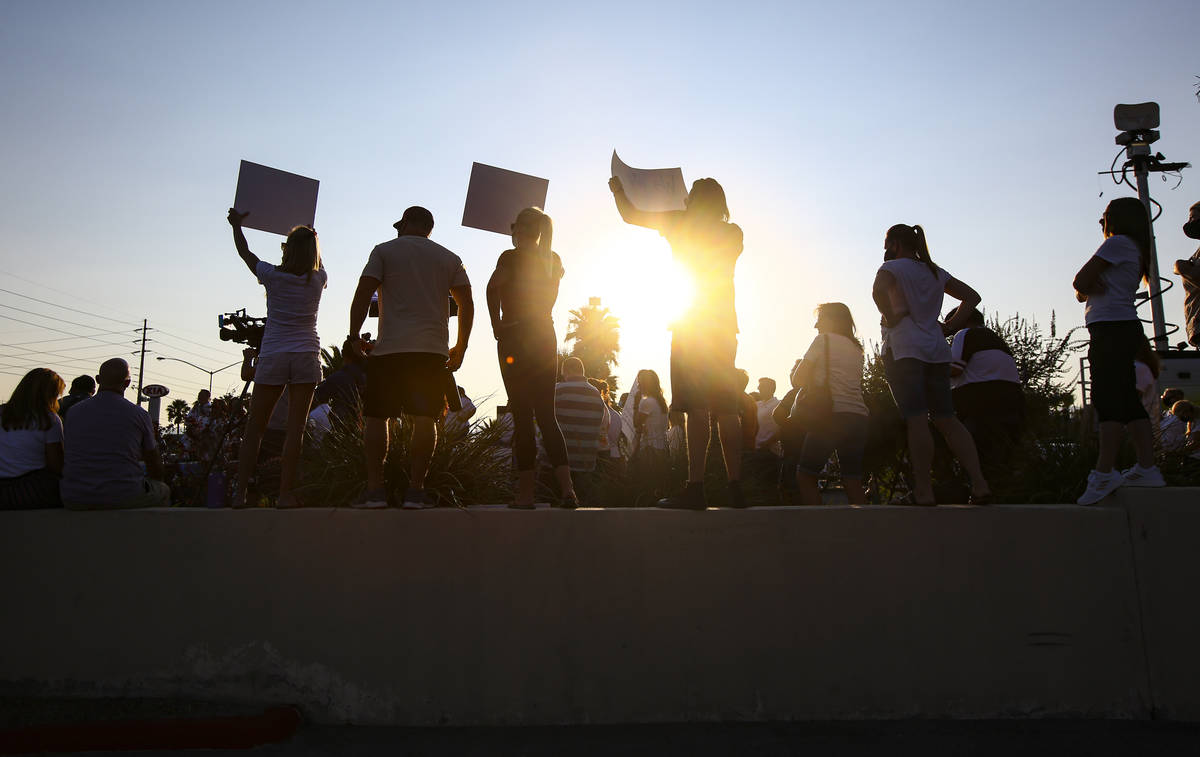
81 388
31 443
107 441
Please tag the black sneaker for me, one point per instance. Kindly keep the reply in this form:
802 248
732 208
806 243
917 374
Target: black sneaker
417 499
691 498
736 498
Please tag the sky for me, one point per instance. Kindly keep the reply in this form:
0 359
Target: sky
124 123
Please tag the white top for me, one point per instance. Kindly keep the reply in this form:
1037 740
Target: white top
457 420
1147 387
767 427
845 371
1120 280
24 450
981 355
654 432
292 303
319 422
919 333
615 423
414 307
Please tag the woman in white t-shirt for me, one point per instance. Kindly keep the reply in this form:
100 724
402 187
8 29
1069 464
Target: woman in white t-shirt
289 354
31 443
834 359
1107 284
650 458
909 289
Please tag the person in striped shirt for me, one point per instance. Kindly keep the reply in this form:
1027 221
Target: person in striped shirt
580 412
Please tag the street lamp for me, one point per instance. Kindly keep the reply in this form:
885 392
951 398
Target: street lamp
210 373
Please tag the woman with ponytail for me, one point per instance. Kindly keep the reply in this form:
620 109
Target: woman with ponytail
521 295
909 290
1107 284
289 357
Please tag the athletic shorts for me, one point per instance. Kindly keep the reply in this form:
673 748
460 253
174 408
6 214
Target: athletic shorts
406 383
919 388
284 368
1111 353
703 376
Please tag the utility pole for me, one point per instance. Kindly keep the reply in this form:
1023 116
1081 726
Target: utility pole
142 361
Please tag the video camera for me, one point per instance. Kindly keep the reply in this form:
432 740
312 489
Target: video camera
241 328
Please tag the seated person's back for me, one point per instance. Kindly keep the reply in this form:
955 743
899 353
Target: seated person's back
107 438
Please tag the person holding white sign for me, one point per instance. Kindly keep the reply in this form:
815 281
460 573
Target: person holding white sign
520 295
704 339
289 354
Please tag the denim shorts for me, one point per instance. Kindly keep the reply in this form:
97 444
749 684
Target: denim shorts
847 434
284 368
919 388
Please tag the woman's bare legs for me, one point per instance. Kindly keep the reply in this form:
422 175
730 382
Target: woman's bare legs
299 405
262 403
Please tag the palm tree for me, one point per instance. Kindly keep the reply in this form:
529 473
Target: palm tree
331 360
596 334
177 413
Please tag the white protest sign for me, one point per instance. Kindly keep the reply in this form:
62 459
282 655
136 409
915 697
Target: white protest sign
495 196
651 189
276 200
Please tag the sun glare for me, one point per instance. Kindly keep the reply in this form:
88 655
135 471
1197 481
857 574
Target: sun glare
652 291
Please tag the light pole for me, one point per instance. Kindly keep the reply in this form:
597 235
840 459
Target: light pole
210 373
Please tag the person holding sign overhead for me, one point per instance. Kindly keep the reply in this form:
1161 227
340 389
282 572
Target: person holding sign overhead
289 355
704 339
520 295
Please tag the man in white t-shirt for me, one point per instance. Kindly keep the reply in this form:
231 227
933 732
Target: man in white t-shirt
409 370
768 430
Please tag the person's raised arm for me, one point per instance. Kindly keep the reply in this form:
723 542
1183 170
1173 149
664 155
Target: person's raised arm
881 293
969 299
630 214
466 319
239 240
359 307
1087 280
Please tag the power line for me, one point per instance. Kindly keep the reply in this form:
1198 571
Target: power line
63 339
64 307
53 318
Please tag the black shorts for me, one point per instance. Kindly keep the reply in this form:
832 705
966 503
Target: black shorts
703 376
406 383
1111 353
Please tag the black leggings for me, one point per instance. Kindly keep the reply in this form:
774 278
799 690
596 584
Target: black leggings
529 366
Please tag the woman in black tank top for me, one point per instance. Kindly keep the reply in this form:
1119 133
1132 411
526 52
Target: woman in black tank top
521 295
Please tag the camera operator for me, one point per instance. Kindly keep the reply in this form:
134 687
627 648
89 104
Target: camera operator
288 356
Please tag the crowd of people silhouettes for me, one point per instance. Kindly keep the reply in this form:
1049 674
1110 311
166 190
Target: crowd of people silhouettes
954 375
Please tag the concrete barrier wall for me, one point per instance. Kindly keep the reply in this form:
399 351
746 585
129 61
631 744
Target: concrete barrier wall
490 616
1166 538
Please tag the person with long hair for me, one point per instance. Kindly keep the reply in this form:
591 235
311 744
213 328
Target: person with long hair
521 295
650 460
31 443
1107 284
835 360
909 290
704 339
290 352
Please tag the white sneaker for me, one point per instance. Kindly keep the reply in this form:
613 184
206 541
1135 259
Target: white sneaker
1099 486
1139 476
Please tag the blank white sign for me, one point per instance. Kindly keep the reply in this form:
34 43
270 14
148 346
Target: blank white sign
276 200
651 189
495 196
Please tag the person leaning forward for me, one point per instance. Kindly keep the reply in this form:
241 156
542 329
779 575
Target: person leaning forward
407 371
